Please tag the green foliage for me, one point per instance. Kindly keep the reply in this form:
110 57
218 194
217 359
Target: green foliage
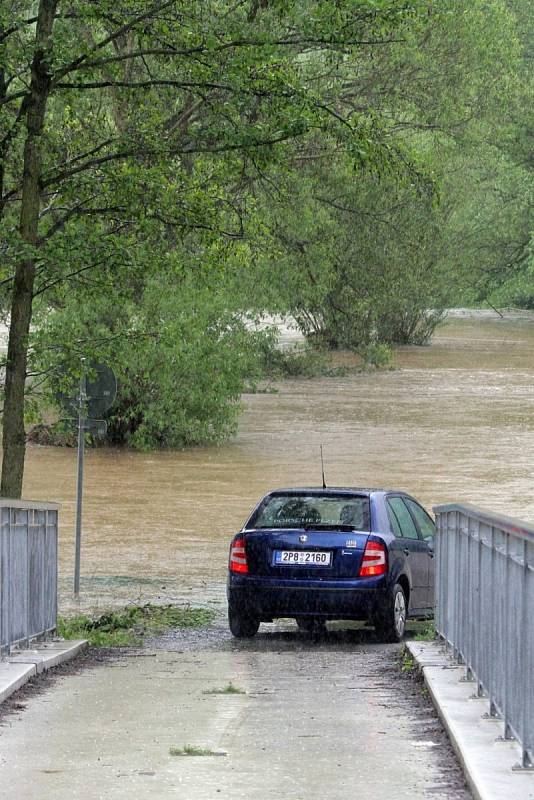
359 164
426 633
160 133
407 661
182 357
292 362
127 627
357 265
366 262
378 355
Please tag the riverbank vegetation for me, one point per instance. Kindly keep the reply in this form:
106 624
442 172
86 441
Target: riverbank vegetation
130 625
172 173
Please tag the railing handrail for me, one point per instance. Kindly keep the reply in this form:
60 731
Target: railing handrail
484 608
517 527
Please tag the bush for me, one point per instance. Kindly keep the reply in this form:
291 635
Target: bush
181 354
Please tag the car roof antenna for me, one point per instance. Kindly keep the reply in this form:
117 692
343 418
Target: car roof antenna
322 468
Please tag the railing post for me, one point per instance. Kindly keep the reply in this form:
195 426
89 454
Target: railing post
3 584
508 652
29 520
491 630
526 662
471 602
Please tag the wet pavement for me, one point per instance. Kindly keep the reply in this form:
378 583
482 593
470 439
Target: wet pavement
317 719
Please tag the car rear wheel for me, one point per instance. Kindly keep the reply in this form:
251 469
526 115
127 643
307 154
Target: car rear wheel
311 624
242 624
390 624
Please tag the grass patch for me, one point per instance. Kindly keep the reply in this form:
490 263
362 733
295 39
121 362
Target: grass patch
407 661
229 689
427 634
192 750
129 625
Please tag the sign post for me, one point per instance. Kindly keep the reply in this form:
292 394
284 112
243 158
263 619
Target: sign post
82 398
96 396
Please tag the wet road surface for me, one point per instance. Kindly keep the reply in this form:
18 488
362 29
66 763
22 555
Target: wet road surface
318 720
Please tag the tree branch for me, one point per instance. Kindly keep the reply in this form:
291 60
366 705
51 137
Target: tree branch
13 96
294 41
77 63
46 286
192 150
145 84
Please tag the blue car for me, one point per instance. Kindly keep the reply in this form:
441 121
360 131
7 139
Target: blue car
325 554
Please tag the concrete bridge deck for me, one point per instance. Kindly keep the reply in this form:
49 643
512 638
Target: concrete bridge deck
319 720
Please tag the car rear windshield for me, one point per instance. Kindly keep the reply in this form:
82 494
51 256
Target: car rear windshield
312 510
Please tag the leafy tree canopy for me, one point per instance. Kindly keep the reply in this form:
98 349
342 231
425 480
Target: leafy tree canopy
169 169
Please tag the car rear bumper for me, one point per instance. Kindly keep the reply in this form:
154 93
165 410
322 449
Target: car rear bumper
268 597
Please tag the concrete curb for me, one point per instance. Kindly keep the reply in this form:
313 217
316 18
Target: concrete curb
22 665
487 759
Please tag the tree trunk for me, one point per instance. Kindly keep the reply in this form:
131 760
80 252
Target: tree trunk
3 93
14 436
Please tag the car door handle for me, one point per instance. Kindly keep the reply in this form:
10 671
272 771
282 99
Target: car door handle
406 551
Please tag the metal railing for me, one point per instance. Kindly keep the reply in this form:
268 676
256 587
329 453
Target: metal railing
28 571
485 610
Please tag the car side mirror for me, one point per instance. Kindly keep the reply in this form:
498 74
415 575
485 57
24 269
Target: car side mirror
430 542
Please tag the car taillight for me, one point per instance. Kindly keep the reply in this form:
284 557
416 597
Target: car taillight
374 561
238 556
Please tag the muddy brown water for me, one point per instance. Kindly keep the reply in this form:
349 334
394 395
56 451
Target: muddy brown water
453 422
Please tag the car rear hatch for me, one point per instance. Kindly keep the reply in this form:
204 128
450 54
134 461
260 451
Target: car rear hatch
305 554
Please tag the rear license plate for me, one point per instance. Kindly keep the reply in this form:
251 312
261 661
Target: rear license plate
304 558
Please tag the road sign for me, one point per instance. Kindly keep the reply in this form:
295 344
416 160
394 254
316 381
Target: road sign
98 427
100 392
101 389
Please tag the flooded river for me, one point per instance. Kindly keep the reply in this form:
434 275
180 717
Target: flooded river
453 421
